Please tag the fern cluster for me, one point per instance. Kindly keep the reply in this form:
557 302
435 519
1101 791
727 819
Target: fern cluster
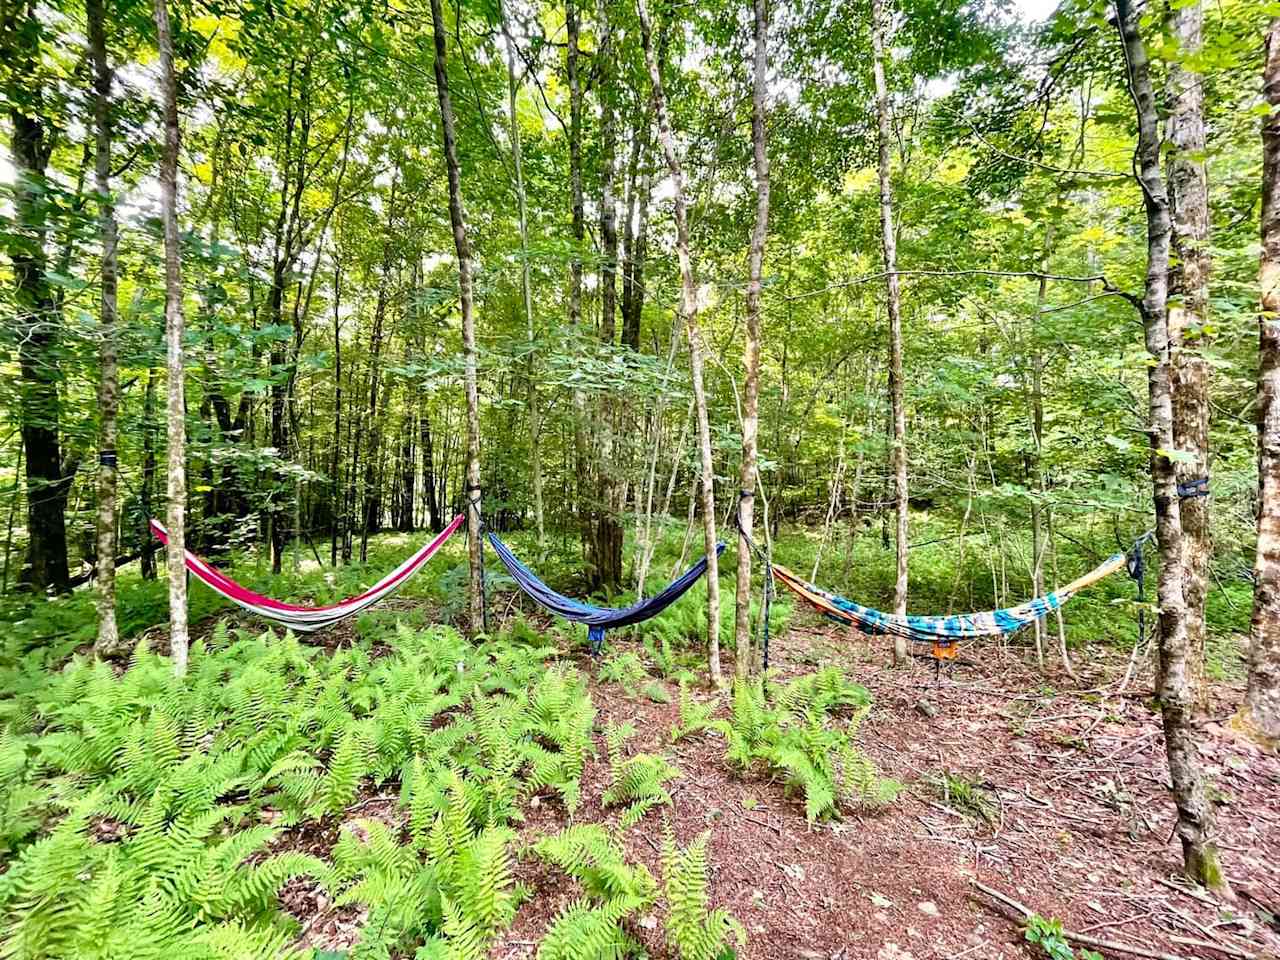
797 739
694 931
590 928
636 781
696 717
167 798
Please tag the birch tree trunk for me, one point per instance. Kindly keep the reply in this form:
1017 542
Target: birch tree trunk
108 639
526 288
1260 712
889 244
751 355
689 311
607 546
1188 311
458 220
173 328
1195 825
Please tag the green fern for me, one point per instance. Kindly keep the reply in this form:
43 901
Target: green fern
697 717
693 931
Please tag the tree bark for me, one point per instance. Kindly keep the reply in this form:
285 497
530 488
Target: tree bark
751 354
578 216
30 147
889 245
458 220
689 313
108 639
1195 813
1188 312
173 328
526 290
148 561
1260 712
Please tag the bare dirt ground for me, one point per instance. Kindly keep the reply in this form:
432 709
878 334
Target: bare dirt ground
1073 818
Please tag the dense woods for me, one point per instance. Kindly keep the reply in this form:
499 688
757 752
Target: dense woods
939 304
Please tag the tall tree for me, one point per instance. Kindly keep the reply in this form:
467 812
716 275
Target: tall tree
173 331
526 291
1188 312
889 247
689 314
1195 813
751 354
1260 712
458 221
31 142
108 373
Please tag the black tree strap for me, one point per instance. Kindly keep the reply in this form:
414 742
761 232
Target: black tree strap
1198 487
764 557
1136 563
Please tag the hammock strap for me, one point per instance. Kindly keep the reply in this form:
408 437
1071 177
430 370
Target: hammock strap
1137 565
473 496
765 558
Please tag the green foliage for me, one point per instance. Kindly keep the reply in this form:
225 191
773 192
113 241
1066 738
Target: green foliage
1047 934
170 796
638 780
697 717
624 668
797 739
965 795
694 931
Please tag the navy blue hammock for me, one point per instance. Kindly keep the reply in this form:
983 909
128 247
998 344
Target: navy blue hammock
597 619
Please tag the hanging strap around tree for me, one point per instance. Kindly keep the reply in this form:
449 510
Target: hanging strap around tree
472 495
765 558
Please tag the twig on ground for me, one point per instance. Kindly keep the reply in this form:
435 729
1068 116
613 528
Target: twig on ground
1081 938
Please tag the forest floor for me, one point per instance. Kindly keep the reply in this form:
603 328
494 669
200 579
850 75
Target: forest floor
1050 792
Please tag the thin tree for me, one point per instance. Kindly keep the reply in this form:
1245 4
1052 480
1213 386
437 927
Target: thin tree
1260 712
526 290
457 219
1195 813
1188 312
689 313
109 374
173 327
889 244
751 356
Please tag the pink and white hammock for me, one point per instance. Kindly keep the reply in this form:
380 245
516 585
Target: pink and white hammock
304 619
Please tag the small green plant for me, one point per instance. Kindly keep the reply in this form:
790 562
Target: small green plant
625 669
637 781
965 795
694 931
656 692
1047 934
696 717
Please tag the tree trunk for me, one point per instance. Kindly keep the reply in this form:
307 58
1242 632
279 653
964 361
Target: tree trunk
371 503
335 489
607 546
148 561
30 146
458 221
109 375
889 244
526 289
1188 311
1195 813
689 312
173 324
1260 712
581 464
751 354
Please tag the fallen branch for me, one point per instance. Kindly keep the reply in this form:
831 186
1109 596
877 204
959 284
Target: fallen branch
1081 938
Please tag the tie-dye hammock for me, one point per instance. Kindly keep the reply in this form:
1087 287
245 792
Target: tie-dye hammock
942 630
306 619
